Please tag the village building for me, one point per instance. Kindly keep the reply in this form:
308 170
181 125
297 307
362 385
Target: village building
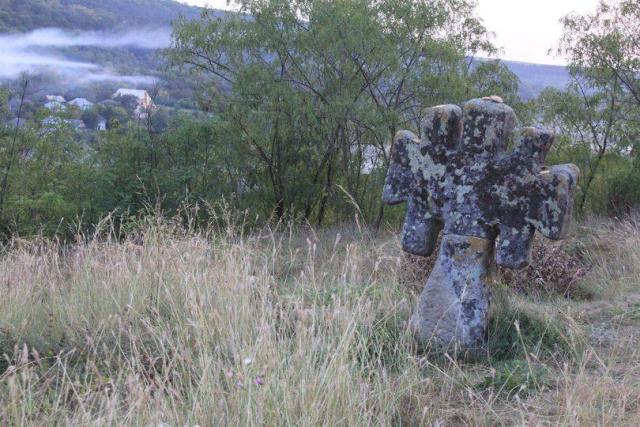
372 157
81 103
51 124
102 124
55 98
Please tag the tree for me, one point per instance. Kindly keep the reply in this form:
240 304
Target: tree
128 102
605 45
589 126
90 118
13 147
305 89
5 111
597 114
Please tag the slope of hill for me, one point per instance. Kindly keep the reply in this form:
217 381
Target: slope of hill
534 78
27 15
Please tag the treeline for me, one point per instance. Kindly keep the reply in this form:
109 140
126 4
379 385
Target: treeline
301 103
27 15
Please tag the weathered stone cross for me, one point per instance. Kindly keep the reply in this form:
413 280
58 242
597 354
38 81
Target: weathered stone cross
488 203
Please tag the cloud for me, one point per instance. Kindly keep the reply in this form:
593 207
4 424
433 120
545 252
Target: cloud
54 37
35 52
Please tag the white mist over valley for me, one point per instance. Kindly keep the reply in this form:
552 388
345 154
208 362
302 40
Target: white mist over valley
47 51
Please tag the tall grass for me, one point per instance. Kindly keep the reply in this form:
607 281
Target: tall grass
293 327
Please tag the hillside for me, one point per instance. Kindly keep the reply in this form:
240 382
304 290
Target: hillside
27 15
534 78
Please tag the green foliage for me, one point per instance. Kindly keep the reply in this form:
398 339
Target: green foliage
90 118
301 104
605 45
596 115
622 188
4 105
318 90
590 129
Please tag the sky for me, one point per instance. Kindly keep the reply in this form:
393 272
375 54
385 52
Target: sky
525 30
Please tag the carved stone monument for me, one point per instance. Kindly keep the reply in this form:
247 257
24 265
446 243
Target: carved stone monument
459 179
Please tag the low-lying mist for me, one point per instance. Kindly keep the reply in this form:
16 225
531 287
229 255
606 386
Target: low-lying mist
38 52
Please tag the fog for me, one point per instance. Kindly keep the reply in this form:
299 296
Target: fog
37 52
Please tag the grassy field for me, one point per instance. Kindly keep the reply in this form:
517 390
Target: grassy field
308 327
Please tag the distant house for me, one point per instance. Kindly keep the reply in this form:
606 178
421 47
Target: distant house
55 98
81 103
101 124
372 157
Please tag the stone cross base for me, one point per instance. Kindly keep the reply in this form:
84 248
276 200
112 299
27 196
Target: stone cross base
454 305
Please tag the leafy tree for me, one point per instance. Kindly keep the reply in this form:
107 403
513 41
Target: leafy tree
597 113
315 86
589 126
606 44
128 102
114 116
90 118
5 112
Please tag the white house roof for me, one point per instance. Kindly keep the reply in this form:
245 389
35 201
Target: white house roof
56 98
81 102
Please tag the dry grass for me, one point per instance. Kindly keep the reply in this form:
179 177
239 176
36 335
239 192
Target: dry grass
300 327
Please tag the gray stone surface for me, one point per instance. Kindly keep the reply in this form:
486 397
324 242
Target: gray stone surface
460 179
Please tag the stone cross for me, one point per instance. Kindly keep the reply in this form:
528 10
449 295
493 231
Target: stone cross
459 179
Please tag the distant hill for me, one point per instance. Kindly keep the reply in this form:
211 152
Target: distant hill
26 15
534 78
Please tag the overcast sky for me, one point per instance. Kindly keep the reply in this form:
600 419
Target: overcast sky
525 29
